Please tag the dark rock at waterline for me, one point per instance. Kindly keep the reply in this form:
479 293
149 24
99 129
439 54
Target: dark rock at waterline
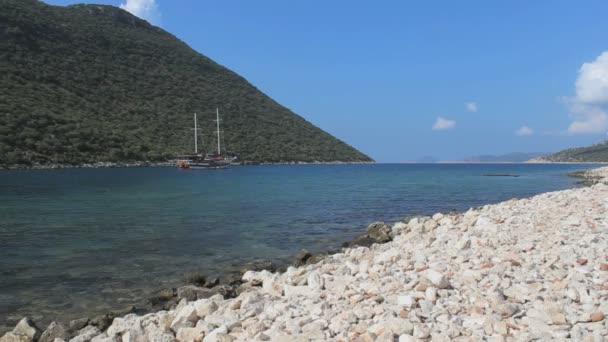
212 282
258 266
54 330
170 305
226 291
77 324
162 296
234 279
102 322
318 257
195 279
191 293
301 258
379 231
363 241
124 311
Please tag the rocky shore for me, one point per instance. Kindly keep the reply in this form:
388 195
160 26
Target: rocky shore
171 163
96 165
521 270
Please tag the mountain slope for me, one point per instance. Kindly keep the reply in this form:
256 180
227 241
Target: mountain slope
88 83
594 153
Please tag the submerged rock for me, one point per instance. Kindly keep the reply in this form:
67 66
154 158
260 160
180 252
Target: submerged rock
162 296
302 257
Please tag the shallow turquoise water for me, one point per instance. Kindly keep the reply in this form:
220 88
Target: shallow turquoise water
80 241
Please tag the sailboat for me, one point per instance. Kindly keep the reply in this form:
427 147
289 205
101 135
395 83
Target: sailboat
199 161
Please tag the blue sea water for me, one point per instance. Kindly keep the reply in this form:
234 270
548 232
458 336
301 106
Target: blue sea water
75 242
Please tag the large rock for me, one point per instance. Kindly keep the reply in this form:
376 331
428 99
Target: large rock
205 307
77 324
121 325
27 327
185 318
53 331
315 281
379 232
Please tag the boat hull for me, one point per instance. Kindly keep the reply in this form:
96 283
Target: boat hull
203 165
207 166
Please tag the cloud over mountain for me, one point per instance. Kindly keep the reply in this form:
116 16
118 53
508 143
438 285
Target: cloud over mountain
144 9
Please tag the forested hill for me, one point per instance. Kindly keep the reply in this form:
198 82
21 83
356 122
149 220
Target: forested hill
89 83
594 153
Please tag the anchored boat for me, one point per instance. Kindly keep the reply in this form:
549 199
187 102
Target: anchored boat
199 161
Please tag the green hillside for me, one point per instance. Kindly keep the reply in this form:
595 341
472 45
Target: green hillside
594 153
89 83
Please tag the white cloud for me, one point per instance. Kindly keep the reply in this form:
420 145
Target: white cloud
144 9
472 106
592 82
588 108
588 119
443 124
524 131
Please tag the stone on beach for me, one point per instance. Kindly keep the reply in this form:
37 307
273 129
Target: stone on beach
437 279
25 330
53 331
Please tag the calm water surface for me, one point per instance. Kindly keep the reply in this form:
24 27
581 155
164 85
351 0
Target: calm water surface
81 241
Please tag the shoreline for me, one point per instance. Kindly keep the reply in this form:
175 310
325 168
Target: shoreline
143 164
297 283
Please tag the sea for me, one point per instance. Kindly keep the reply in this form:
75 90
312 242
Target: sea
80 242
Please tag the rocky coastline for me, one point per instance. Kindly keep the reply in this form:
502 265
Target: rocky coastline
525 269
170 163
94 165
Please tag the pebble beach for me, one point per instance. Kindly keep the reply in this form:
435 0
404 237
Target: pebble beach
521 270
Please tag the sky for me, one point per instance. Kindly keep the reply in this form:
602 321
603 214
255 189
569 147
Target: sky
402 80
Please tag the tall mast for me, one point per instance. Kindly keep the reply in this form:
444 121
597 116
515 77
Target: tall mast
195 137
217 112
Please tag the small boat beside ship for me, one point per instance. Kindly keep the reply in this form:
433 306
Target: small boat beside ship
199 161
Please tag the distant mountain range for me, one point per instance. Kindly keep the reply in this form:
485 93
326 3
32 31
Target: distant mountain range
594 153
93 83
515 157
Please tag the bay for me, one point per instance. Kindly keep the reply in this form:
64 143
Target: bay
76 242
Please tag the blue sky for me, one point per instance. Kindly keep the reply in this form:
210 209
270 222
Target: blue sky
401 80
